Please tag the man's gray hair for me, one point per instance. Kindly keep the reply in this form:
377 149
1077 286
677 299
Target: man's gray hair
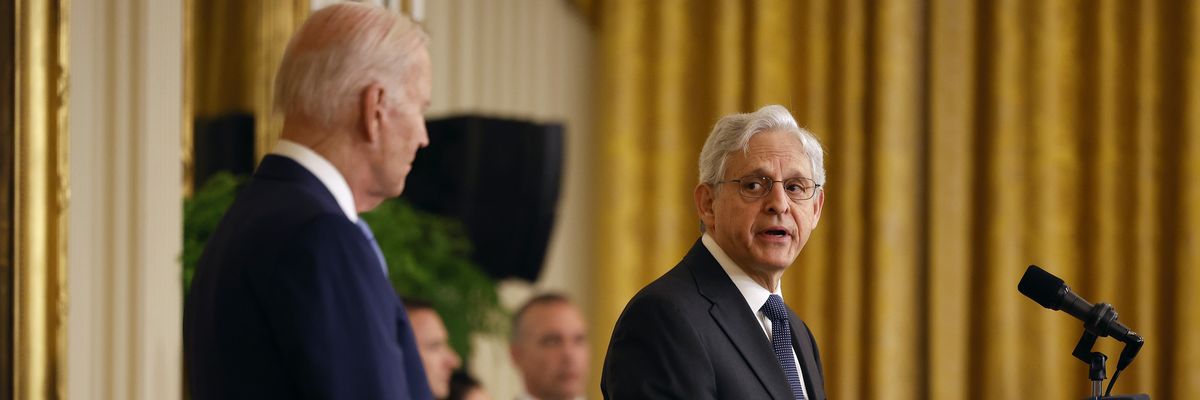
733 132
340 50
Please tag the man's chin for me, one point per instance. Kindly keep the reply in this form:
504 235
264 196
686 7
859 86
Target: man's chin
396 191
775 262
570 388
565 393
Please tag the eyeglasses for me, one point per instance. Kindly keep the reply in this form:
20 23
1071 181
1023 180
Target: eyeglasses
755 187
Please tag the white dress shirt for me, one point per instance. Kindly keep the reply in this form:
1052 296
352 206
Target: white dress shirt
324 171
756 295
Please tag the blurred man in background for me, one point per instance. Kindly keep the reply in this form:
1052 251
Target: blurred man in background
433 342
549 346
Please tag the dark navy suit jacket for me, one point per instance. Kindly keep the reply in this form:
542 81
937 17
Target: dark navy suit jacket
288 301
689 335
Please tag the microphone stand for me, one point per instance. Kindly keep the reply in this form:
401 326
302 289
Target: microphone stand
1095 360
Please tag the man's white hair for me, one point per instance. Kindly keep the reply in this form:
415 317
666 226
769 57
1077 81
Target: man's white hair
733 132
340 50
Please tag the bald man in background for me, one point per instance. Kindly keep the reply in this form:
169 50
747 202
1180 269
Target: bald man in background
291 297
549 346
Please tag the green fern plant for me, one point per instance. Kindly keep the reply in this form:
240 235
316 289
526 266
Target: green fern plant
429 258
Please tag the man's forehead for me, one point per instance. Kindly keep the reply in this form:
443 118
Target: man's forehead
550 311
790 163
551 317
425 317
420 73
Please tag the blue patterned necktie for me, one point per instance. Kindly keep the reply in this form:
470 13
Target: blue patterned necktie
366 230
781 342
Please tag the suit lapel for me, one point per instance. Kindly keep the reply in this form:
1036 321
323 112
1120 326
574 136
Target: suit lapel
803 343
730 312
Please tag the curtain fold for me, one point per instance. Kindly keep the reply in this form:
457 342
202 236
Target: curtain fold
965 140
232 64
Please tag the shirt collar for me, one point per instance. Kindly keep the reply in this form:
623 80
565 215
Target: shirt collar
323 170
755 294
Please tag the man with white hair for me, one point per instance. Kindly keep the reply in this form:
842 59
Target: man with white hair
716 326
291 298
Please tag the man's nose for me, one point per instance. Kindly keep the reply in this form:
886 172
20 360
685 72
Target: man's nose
423 139
575 353
777 201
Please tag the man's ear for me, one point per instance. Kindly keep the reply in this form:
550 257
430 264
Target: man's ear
818 206
372 113
704 196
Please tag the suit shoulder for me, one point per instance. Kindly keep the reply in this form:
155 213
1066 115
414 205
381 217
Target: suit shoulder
673 295
267 223
273 210
674 287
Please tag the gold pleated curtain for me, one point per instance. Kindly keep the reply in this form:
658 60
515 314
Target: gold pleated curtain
965 140
233 51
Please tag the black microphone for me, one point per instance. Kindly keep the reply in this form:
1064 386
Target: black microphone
1051 292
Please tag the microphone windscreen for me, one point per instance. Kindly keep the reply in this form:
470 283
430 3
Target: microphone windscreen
1041 286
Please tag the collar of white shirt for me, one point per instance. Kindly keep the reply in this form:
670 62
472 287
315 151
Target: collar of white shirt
323 170
755 294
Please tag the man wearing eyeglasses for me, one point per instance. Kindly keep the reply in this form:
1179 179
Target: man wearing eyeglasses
716 326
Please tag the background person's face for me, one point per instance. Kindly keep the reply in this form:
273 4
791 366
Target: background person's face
403 130
433 344
763 235
552 351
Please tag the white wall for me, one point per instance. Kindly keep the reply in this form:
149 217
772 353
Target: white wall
125 209
527 59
